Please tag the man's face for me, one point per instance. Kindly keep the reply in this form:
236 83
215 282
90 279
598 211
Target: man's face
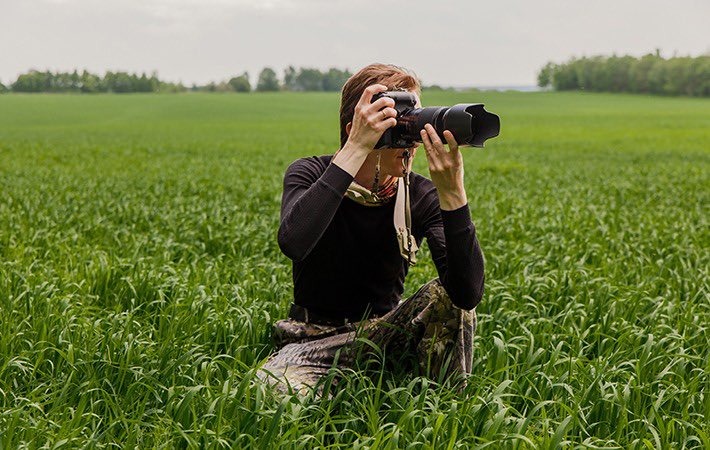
391 158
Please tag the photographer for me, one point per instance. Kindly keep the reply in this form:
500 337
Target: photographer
351 224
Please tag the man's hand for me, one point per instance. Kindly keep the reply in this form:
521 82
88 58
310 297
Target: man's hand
369 122
445 167
371 119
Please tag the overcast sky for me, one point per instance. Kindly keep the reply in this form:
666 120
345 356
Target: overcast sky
452 43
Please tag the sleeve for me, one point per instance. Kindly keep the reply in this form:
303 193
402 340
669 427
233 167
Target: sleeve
457 255
310 199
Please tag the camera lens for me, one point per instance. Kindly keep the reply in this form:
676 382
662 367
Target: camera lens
470 123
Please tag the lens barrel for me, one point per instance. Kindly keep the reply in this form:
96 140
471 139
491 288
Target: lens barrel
470 123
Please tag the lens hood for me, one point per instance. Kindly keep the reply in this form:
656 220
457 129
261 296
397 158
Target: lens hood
471 124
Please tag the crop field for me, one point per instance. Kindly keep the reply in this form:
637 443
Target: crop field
140 275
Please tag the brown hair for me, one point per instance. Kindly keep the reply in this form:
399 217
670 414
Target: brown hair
394 77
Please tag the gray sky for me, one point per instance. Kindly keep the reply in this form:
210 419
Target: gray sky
452 43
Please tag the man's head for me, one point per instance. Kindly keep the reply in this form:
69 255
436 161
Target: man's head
395 78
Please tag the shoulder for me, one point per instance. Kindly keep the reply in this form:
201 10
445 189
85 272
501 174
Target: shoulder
309 166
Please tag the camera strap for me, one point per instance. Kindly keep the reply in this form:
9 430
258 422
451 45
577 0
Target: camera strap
403 216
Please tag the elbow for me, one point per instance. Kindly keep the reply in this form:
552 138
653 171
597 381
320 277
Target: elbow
286 246
468 299
465 303
476 298
289 248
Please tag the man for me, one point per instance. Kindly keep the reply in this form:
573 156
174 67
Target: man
351 224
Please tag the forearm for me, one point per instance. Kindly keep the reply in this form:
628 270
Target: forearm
452 199
463 277
350 158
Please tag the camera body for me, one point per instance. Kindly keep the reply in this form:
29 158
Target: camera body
397 137
470 123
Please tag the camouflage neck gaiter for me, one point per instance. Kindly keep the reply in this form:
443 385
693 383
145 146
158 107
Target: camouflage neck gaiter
366 197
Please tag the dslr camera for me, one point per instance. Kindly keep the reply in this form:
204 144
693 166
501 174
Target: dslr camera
470 123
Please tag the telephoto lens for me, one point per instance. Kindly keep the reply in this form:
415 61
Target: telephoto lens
470 123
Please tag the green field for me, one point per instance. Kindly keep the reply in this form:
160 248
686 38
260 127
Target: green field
139 276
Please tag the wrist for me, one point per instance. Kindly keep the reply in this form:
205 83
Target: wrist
356 149
350 158
452 200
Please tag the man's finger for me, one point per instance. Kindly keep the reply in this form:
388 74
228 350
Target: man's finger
451 140
387 112
430 158
433 135
385 124
384 102
432 155
369 91
427 142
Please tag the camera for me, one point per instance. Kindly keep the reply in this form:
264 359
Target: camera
470 123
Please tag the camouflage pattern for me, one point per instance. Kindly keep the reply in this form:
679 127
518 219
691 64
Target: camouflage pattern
425 332
290 331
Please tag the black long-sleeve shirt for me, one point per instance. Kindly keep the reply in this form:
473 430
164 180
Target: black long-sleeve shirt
345 256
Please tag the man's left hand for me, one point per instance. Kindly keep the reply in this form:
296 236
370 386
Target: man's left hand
445 167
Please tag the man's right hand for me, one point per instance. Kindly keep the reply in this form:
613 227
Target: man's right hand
369 122
371 119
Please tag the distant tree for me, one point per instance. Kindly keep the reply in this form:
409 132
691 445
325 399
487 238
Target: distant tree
86 82
240 83
588 74
120 82
75 81
677 76
657 77
267 81
649 74
619 73
171 88
33 81
157 85
334 79
698 83
3 88
91 83
223 86
544 77
144 84
638 73
61 82
290 78
565 78
309 80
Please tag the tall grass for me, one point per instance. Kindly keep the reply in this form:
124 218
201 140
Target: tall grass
139 276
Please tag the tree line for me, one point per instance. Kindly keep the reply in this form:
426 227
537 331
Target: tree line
301 79
649 74
86 82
